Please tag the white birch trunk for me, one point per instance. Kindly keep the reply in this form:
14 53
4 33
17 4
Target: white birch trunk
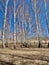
23 24
5 23
14 24
36 20
21 29
10 30
46 15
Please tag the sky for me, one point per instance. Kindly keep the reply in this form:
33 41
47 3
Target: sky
29 6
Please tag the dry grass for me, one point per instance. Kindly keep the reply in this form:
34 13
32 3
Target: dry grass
24 56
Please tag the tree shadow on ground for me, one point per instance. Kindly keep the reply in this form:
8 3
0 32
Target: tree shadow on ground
5 63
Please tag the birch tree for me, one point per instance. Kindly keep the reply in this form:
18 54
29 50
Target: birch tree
14 23
46 15
24 21
5 23
36 19
21 23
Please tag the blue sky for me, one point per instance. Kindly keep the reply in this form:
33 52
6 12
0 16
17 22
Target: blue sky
41 15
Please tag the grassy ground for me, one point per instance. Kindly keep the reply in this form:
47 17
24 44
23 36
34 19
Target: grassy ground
24 56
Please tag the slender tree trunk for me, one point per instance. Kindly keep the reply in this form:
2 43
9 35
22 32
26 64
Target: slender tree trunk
14 24
10 25
46 15
36 20
21 16
24 22
4 24
10 30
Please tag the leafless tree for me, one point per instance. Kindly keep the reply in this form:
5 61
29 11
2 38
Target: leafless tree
14 23
5 23
46 14
36 19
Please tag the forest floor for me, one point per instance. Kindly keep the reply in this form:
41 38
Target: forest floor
24 56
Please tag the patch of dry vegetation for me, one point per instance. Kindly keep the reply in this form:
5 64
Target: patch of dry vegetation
24 56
